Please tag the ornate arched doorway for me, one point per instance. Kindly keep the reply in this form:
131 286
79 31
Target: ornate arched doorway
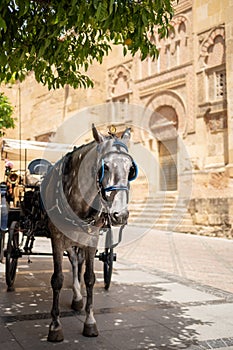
164 125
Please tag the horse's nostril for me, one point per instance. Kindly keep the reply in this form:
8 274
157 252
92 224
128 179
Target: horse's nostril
121 216
116 215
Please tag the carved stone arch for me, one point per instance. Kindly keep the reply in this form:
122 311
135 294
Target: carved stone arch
174 37
178 20
172 99
214 36
173 49
119 81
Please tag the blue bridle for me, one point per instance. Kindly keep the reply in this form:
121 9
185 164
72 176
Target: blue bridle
134 168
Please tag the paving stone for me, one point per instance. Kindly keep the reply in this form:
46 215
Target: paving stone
130 275
152 337
123 320
33 335
182 294
216 321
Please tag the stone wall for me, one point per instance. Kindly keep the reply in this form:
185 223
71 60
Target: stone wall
212 216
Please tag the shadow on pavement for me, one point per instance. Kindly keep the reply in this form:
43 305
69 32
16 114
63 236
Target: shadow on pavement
128 316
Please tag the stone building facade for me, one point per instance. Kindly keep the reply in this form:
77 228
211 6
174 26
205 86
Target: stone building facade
180 108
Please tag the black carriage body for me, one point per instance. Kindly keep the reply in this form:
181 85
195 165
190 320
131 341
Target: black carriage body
24 223
14 214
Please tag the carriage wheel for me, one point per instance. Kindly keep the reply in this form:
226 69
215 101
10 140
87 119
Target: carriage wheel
108 263
12 254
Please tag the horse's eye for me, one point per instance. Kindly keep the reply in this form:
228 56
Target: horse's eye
133 172
106 168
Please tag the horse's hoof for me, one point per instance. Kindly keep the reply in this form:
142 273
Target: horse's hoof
55 336
77 305
90 330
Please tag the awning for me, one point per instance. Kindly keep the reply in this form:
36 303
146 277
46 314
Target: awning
24 150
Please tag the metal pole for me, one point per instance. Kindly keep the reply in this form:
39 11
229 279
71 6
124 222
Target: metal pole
20 131
25 160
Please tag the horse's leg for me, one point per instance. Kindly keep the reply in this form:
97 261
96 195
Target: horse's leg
77 302
90 328
81 267
55 328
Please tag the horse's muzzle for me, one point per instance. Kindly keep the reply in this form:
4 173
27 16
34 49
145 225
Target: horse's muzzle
119 218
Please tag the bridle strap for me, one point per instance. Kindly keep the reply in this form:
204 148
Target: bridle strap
121 144
115 188
117 143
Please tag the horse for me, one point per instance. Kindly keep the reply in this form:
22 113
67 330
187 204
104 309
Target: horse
84 192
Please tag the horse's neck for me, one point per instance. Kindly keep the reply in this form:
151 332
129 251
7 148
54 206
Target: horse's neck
79 183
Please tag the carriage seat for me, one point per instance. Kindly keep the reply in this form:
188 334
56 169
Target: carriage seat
36 171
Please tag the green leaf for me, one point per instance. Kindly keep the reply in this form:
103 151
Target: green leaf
6 111
102 12
3 24
71 34
23 8
111 4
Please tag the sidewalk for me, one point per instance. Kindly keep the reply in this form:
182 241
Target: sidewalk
159 298
207 260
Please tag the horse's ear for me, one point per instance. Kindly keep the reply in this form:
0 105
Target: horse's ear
126 136
97 136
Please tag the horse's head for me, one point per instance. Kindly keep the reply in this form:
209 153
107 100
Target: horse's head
115 169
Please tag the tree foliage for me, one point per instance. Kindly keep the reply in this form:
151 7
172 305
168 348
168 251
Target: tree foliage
6 111
58 40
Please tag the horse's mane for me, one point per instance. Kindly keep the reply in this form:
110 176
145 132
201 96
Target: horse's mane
83 149
80 150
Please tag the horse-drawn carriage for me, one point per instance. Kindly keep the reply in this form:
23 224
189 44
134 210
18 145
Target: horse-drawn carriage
73 202
27 220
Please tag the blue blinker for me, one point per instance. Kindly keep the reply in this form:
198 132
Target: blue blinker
133 173
102 172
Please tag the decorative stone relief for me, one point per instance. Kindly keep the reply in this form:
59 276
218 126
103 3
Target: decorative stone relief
212 73
215 122
212 47
119 80
174 50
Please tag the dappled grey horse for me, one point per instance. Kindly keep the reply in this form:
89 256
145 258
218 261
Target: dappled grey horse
86 190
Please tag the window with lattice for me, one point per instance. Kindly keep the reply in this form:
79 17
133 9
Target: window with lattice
220 85
217 85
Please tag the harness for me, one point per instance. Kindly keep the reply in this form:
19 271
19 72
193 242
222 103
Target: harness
59 210
57 206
